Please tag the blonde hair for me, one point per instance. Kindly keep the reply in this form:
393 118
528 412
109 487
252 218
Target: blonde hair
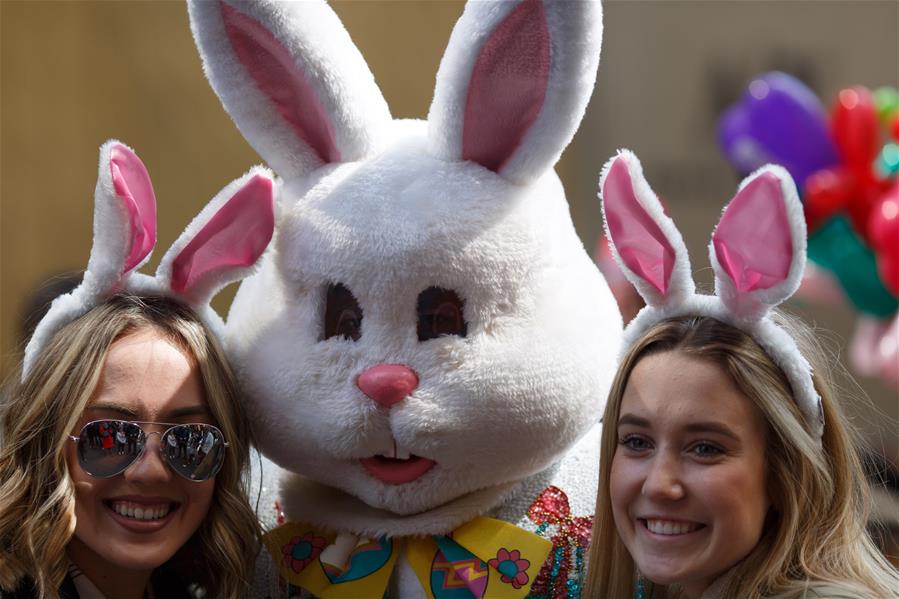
815 532
37 499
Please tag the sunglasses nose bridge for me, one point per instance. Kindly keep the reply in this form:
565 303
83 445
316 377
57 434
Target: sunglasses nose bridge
139 467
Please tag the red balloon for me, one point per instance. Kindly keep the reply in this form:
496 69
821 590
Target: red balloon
826 192
869 189
883 233
894 128
855 129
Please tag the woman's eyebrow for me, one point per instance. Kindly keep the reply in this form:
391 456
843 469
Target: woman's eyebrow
108 406
633 420
711 427
184 412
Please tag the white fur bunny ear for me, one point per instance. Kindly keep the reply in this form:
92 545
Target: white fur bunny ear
643 239
758 248
292 80
514 83
124 237
223 243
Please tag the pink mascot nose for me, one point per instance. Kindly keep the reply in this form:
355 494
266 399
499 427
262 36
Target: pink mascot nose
387 384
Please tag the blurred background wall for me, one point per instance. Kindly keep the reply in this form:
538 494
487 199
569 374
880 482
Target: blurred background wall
74 74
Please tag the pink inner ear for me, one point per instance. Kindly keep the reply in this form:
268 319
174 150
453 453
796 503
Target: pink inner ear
507 87
640 242
132 186
753 241
273 68
234 237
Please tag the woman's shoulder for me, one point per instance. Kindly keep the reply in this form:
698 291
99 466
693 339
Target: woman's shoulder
832 591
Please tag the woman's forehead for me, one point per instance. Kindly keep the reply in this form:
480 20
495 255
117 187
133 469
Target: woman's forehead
147 375
675 389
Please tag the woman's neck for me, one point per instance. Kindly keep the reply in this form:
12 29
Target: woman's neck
708 589
112 581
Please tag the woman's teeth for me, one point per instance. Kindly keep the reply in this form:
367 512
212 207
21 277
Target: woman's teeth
138 511
667 527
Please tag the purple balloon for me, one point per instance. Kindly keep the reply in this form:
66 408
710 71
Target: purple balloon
778 120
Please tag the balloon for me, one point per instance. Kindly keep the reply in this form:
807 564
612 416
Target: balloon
868 191
894 128
883 231
874 348
778 120
888 161
836 247
886 100
827 192
855 128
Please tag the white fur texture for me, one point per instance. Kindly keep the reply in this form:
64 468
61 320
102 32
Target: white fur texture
575 30
728 305
111 245
494 408
680 285
104 275
577 474
210 288
752 306
327 59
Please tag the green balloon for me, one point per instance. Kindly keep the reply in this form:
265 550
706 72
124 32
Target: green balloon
835 246
886 101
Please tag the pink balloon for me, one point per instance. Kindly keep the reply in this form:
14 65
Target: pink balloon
874 348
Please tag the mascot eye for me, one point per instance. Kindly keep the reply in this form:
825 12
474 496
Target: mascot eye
343 316
440 312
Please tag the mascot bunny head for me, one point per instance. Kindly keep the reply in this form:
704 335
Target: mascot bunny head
429 329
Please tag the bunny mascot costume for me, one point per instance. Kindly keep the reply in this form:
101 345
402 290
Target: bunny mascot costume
426 350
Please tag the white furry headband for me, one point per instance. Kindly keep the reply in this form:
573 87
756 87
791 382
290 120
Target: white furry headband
757 253
221 245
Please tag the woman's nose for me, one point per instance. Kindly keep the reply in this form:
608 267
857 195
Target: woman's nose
663 480
149 466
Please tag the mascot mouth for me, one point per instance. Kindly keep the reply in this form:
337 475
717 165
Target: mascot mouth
398 470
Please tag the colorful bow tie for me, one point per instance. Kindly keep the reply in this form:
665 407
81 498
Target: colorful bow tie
484 558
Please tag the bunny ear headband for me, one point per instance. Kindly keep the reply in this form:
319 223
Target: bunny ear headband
757 253
222 244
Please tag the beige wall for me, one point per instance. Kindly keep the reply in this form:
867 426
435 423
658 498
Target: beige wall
77 73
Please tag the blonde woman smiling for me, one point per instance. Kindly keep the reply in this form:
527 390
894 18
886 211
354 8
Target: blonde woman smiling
125 449
728 470
77 519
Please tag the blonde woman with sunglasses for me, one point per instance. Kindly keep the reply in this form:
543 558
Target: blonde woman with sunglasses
160 511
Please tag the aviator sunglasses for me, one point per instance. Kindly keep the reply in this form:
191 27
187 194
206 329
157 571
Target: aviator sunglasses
108 447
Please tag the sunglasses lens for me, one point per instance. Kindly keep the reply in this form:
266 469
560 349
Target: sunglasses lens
108 447
195 451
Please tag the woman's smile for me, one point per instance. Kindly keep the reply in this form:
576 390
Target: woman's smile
687 481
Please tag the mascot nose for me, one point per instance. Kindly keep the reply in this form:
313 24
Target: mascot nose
387 384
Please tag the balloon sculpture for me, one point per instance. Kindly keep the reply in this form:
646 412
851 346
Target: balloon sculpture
845 165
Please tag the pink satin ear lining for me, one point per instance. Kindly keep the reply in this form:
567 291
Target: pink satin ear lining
234 237
507 87
132 186
753 242
641 244
273 68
